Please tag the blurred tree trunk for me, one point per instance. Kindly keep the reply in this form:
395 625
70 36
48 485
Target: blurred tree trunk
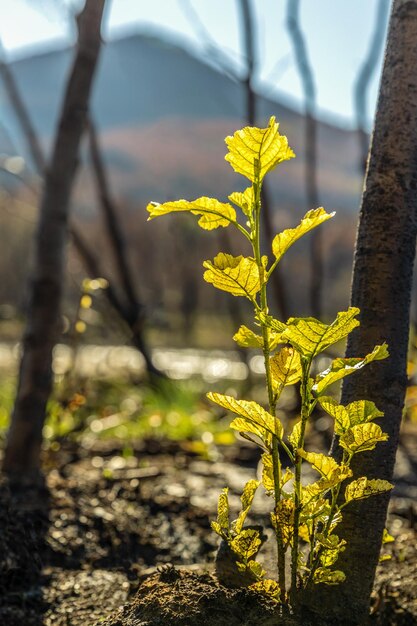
249 45
129 315
132 311
382 279
22 454
307 80
364 78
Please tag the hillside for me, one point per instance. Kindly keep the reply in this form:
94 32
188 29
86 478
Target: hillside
163 115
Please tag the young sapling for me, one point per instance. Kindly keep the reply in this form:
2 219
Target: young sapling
304 517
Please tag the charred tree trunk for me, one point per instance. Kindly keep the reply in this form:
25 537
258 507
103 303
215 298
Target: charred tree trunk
22 455
382 280
307 79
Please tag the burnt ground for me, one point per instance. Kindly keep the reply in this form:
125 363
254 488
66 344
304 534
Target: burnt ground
109 525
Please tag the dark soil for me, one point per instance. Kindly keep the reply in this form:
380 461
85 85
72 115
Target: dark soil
108 532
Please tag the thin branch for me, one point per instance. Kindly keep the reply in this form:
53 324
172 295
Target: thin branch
365 75
307 78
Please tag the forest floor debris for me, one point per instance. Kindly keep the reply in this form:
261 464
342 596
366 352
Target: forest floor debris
76 551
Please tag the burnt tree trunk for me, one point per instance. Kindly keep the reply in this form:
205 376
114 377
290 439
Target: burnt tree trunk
381 288
22 454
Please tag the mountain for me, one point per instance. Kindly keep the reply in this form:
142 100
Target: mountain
163 115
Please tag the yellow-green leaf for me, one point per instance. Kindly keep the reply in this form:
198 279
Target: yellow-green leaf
364 488
243 425
310 336
328 577
338 412
267 473
253 152
236 275
362 411
358 412
246 544
315 510
322 486
362 437
332 548
285 368
294 436
246 499
250 411
325 465
246 338
244 200
284 240
255 568
213 213
267 587
344 367
283 518
223 510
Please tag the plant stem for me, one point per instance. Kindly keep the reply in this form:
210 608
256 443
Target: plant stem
276 463
305 413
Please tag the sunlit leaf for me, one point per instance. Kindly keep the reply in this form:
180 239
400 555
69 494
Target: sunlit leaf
362 411
364 488
338 412
294 436
283 518
310 336
285 368
223 510
325 465
246 338
332 545
322 486
252 412
253 152
236 275
244 200
255 568
358 412
213 213
284 240
328 577
267 587
344 367
246 500
246 544
362 437
317 510
286 477
268 473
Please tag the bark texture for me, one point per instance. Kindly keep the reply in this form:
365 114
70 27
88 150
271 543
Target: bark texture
22 455
382 279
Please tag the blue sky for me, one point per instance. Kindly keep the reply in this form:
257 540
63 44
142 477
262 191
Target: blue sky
337 34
